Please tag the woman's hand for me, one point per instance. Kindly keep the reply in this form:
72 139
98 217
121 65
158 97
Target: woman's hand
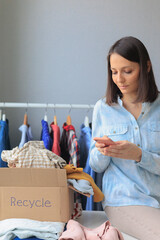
121 149
102 143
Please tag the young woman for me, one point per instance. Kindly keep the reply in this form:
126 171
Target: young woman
126 136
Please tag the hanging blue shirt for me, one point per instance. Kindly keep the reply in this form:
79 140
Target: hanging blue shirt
26 134
45 135
127 182
4 140
84 143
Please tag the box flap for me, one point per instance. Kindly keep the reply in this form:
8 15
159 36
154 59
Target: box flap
35 177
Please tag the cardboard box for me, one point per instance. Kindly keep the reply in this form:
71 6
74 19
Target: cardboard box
35 193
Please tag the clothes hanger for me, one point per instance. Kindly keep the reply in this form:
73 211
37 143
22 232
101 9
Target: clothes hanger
0 114
55 117
25 121
45 115
3 114
86 119
55 120
69 121
45 118
3 117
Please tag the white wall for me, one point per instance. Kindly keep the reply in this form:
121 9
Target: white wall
54 51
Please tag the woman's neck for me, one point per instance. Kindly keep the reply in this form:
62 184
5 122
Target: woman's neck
129 99
131 106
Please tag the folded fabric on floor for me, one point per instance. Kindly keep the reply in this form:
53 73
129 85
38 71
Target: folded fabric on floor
75 231
26 228
32 238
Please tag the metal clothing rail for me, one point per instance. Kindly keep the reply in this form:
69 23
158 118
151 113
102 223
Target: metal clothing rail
43 105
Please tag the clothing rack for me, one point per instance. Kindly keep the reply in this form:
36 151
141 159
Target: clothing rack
43 105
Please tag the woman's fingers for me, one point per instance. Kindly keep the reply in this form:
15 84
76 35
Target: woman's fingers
100 145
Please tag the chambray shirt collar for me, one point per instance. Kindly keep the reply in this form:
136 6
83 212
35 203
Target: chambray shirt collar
120 102
145 106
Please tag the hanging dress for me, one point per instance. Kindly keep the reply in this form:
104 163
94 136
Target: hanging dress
56 138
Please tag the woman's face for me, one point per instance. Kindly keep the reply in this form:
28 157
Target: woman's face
125 74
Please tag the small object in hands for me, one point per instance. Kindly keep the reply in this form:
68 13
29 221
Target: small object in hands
106 141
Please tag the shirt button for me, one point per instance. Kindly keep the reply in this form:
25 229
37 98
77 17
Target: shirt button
136 128
142 113
114 131
138 145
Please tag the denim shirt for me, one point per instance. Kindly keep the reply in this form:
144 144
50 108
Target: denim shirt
127 182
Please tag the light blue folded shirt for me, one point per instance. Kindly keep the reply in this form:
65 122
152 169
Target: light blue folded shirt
126 182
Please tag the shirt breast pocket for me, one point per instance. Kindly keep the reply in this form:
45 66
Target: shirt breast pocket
152 133
117 132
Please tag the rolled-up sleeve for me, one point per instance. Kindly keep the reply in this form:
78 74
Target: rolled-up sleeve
98 162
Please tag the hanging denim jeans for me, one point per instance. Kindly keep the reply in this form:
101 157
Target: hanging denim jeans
4 140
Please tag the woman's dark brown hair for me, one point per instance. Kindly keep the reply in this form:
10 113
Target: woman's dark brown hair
133 50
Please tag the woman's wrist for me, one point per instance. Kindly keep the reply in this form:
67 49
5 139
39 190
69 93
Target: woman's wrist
139 155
